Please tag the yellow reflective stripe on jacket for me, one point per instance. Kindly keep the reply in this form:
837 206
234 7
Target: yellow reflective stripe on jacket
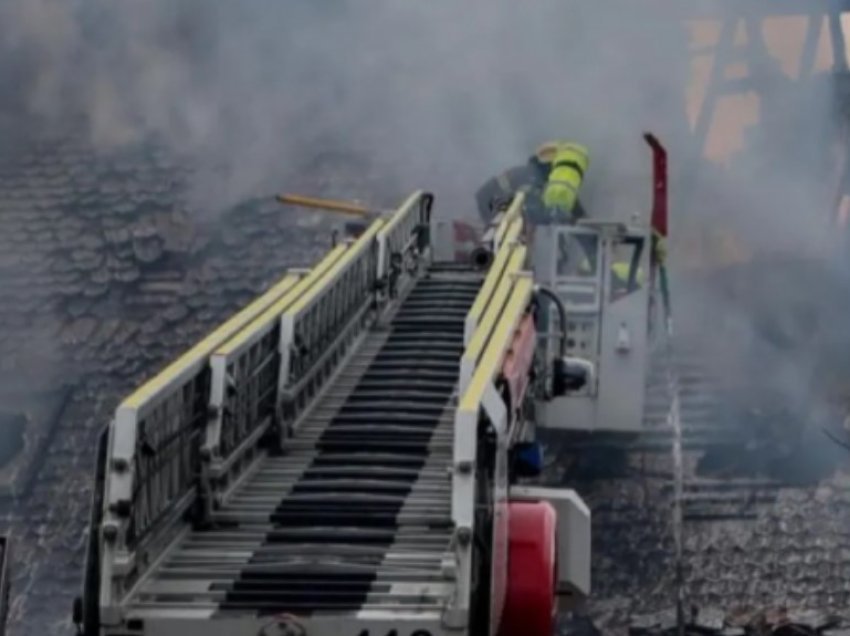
565 179
560 197
622 271
560 194
660 248
571 186
577 149
573 157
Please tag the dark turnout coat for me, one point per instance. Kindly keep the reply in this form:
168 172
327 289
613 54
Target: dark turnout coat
501 189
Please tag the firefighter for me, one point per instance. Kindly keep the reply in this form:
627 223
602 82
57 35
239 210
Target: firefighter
560 194
620 273
530 178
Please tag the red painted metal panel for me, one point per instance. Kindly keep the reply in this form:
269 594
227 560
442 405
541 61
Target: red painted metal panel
530 600
659 179
517 365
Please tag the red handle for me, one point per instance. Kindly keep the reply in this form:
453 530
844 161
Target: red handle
659 180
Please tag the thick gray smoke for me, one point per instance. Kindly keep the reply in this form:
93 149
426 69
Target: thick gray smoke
442 95
774 321
437 95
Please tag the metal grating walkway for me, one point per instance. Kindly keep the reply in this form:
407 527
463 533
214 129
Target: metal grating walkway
355 515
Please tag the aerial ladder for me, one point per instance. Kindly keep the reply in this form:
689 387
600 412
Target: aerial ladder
354 452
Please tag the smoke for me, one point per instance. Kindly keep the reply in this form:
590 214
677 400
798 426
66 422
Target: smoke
774 321
442 95
438 95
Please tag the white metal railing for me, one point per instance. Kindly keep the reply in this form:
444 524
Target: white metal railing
400 240
489 329
496 331
319 328
497 270
304 336
316 329
507 264
153 452
244 383
192 425
513 213
475 348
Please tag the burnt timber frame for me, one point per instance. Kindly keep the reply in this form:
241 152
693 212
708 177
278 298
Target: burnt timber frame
751 14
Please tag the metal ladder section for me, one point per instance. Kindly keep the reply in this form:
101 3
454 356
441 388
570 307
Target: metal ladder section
705 428
355 515
699 394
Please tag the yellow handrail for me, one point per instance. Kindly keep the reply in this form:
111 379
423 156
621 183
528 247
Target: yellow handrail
494 308
399 214
283 304
495 273
329 276
497 346
198 353
513 212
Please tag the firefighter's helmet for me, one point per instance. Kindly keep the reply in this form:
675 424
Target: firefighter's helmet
545 152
